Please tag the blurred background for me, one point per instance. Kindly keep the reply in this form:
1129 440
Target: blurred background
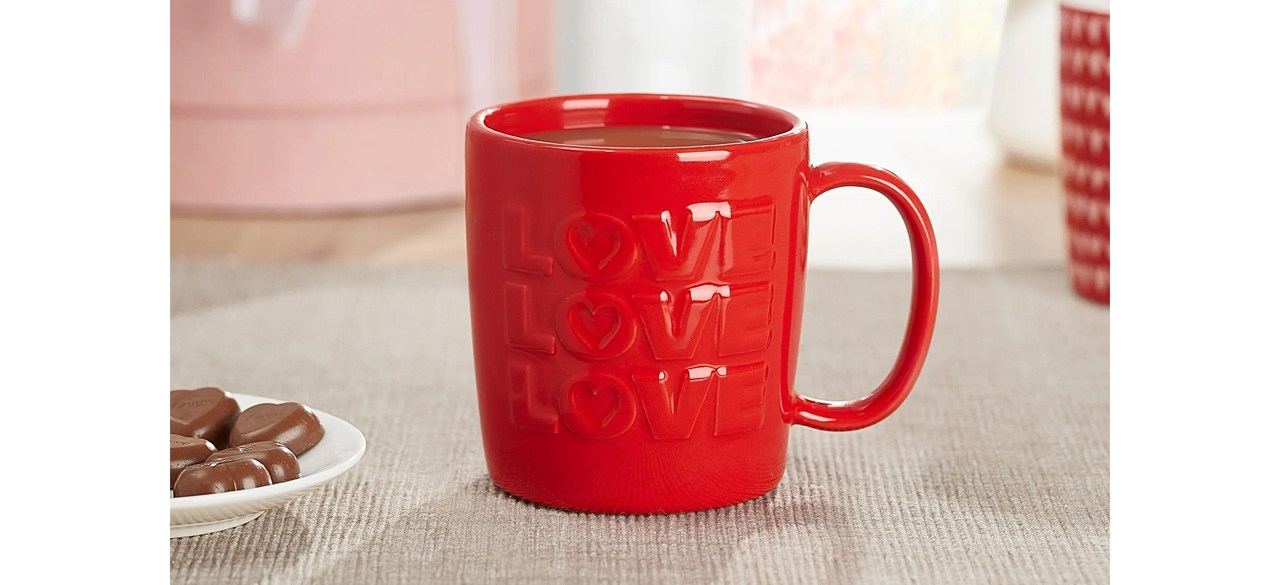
333 130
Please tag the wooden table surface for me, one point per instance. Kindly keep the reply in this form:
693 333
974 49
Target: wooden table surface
398 236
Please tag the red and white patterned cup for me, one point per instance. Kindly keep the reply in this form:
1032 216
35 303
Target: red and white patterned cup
1085 94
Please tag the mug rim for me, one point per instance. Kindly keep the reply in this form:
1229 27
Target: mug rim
789 124
1102 7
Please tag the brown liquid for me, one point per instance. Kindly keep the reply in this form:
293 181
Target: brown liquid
641 136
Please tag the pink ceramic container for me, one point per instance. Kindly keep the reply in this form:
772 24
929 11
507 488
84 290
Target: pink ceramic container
289 106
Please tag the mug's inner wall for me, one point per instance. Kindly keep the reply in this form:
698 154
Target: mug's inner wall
525 118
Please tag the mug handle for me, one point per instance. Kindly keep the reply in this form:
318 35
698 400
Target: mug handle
855 414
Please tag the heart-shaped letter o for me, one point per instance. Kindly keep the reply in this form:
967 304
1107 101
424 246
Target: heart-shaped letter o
595 246
595 325
597 406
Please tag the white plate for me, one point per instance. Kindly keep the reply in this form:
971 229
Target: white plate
339 450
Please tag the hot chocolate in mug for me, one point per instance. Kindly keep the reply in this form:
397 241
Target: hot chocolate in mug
636 267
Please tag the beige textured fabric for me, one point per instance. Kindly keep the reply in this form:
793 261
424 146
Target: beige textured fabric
994 471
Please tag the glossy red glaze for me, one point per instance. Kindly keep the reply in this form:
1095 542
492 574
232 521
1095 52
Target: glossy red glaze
636 310
1085 71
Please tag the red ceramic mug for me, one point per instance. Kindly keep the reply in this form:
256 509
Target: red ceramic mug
636 310
1085 73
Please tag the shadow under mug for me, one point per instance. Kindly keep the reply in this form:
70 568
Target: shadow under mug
636 310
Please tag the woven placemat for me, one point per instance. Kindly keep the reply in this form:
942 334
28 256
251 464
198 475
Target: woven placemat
994 471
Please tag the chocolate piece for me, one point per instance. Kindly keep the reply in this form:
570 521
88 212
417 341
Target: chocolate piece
289 423
205 413
278 459
185 452
214 478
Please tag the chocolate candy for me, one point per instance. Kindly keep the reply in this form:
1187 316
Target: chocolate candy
289 423
185 452
278 459
205 413
215 478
